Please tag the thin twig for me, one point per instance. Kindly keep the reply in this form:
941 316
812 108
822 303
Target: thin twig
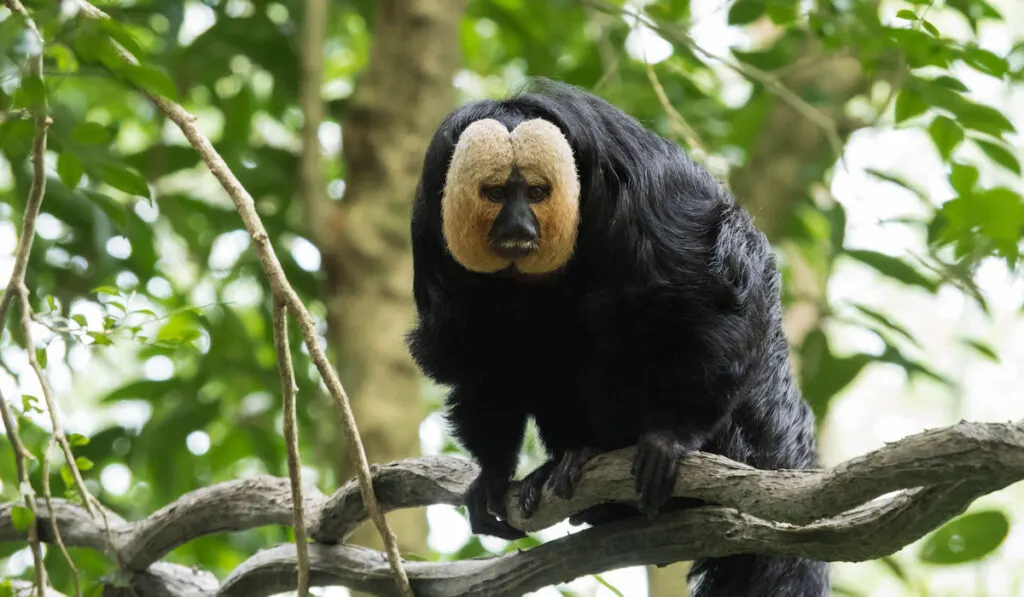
53 519
683 128
681 37
51 405
245 206
21 457
38 188
17 281
291 434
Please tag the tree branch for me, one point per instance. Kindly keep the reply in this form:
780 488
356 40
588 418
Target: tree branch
936 475
291 433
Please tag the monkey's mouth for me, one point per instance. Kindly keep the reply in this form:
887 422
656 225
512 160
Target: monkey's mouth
514 248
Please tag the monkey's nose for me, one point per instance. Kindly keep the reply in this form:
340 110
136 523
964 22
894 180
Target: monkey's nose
515 232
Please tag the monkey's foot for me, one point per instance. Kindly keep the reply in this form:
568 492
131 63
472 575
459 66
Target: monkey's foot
485 496
563 479
530 490
655 469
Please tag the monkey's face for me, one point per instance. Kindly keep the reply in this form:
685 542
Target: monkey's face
511 198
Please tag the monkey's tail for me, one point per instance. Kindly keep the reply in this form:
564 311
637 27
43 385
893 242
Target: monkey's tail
758 576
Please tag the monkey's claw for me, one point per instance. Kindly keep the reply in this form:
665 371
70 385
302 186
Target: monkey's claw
485 496
566 475
655 469
531 487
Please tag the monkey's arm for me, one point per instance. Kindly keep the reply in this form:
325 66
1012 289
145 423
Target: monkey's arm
696 345
488 422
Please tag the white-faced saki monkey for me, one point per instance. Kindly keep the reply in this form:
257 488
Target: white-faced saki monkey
574 267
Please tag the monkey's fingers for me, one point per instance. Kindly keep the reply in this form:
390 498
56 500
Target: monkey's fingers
489 525
479 503
532 487
655 468
566 476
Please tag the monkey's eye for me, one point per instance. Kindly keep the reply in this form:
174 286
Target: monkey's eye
494 193
537 193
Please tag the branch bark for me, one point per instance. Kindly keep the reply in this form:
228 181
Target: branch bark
936 475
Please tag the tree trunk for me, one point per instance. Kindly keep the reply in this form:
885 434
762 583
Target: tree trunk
364 238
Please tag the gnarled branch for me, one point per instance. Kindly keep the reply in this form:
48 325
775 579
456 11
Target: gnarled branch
831 515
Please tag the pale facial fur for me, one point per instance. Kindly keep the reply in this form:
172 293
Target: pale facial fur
486 155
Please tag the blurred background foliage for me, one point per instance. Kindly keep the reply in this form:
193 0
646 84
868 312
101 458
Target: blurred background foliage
155 319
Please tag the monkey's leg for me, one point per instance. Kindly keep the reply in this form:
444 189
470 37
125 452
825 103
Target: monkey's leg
490 426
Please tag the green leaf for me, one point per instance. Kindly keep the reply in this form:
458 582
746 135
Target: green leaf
122 178
985 61
782 12
29 404
907 14
966 539
106 290
894 267
930 28
62 56
69 168
83 463
886 322
999 155
77 439
909 104
608 585
91 133
963 177
115 210
100 339
121 34
41 357
744 12
946 134
152 79
67 476
950 83
80 319
983 349
34 91
899 181
22 518
897 570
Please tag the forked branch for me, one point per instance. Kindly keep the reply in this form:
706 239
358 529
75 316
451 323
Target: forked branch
823 514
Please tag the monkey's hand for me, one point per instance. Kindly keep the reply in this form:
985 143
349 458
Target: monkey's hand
484 498
655 469
531 487
563 479
560 476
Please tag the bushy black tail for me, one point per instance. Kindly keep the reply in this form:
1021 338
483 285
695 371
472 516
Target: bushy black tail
758 576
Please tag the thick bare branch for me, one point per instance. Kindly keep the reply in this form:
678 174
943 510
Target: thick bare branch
937 474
